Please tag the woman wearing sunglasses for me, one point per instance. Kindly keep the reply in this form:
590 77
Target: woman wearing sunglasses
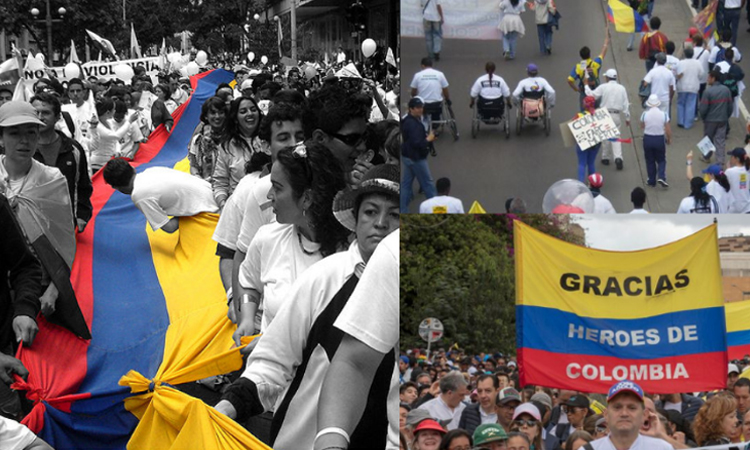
527 420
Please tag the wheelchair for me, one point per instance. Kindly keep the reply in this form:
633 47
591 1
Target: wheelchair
445 112
490 112
533 110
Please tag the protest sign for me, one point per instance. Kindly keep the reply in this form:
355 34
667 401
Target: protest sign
464 19
587 318
592 129
96 69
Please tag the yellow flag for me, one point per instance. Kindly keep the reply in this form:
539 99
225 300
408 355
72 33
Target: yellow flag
476 208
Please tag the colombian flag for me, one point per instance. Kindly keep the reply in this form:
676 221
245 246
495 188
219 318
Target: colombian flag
588 318
625 18
738 329
705 20
157 313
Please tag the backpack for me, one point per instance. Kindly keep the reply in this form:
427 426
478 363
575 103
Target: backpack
729 81
593 77
720 56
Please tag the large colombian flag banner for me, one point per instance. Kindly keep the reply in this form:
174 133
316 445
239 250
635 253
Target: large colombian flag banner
625 18
586 318
157 313
738 329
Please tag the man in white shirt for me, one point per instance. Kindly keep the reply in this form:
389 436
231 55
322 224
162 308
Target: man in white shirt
638 198
625 414
432 15
81 111
662 82
601 204
160 192
449 405
613 96
443 203
689 75
432 87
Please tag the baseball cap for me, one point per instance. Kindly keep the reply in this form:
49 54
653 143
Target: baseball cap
415 102
596 180
512 364
542 398
532 68
417 415
527 408
611 73
489 432
738 152
429 424
625 386
405 359
18 113
580 401
733 368
713 169
247 84
508 394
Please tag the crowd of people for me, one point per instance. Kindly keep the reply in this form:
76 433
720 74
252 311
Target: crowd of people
302 167
453 400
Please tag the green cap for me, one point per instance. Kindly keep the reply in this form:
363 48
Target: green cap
489 432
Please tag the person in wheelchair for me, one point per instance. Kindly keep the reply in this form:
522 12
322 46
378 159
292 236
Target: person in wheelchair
532 89
491 94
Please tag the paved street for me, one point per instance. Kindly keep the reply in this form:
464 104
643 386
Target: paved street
491 169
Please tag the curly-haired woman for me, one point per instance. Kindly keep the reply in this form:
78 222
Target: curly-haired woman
716 421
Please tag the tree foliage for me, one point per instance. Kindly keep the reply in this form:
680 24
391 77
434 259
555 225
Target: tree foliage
460 269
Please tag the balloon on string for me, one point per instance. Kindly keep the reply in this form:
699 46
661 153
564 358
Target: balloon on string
250 56
72 70
310 72
264 59
201 58
124 72
368 47
192 68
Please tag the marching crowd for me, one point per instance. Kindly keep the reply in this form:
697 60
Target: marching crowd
454 400
302 167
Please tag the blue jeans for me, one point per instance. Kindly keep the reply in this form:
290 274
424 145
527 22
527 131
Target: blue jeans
655 151
686 108
545 37
509 43
418 169
732 21
433 33
586 158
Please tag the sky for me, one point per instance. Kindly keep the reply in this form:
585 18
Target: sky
637 232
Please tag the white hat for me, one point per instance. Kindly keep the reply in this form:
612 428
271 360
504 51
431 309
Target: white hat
527 408
611 74
733 368
653 101
247 84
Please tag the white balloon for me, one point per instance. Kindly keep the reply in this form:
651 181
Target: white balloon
201 58
568 196
184 72
264 59
251 56
124 72
72 70
174 57
368 47
192 68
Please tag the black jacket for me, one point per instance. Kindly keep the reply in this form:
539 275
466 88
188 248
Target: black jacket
690 406
414 145
471 418
19 270
72 163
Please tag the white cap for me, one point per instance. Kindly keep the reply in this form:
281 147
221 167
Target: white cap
733 368
247 84
611 74
527 408
511 363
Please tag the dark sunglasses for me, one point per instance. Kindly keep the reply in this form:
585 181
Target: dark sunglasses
566 409
352 140
528 423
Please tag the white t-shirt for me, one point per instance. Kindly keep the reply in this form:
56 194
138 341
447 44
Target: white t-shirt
105 142
381 329
739 195
641 443
258 212
721 195
688 205
126 145
660 79
441 204
639 211
430 8
14 435
485 88
429 84
654 119
230 221
274 260
701 55
691 71
603 206
160 192
81 116
715 52
441 411
671 64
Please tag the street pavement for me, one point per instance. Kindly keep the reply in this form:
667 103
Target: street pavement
491 169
